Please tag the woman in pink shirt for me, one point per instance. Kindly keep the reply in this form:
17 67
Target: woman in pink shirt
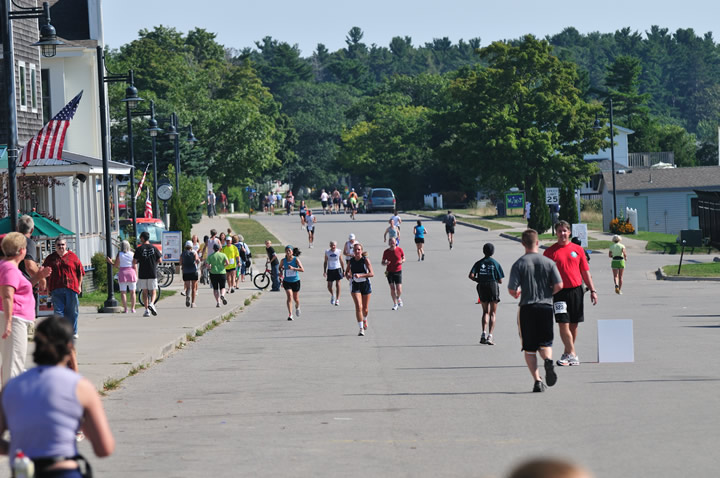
17 304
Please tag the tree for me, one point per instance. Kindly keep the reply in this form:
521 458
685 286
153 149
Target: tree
179 218
568 204
539 211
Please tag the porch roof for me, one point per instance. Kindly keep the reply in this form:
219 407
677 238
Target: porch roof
71 164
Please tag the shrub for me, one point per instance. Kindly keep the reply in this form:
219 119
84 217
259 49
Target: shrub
568 205
621 226
539 211
179 218
100 266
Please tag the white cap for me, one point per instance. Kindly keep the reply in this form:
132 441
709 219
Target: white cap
351 237
188 244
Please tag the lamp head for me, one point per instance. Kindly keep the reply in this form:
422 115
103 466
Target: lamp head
172 132
131 97
153 129
48 40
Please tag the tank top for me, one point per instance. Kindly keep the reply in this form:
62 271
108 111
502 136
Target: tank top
126 259
42 412
392 233
420 232
333 258
358 267
188 262
290 275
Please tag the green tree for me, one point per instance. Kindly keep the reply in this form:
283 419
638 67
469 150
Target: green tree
179 217
539 211
568 205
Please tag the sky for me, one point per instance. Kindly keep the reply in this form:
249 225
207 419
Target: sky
240 23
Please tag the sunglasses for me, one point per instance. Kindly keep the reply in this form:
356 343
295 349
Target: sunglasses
60 245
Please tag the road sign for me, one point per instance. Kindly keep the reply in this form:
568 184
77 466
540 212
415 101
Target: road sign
552 196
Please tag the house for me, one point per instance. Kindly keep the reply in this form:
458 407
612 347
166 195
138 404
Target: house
664 198
602 158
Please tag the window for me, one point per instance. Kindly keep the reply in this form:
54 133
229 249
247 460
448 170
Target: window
22 83
694 207
46 101
33 88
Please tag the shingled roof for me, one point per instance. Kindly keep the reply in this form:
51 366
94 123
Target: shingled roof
703 177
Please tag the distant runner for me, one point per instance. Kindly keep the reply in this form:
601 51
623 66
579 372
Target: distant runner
419 231
333 270
450 223
488 274
393 258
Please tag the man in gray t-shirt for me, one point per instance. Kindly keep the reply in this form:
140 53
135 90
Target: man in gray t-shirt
534 279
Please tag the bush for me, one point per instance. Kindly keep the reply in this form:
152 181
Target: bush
539 211
594 205
621 226
179 218
238 195
100 266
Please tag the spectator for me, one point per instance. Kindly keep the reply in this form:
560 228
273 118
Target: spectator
274 266
65 282
29 266
127 274
211 200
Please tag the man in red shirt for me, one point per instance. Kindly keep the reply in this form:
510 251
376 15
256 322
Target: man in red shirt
65 282
393 258
568 303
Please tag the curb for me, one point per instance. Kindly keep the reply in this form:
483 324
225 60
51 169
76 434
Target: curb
460 223
660 275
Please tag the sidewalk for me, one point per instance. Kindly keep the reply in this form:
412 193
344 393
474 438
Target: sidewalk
111 345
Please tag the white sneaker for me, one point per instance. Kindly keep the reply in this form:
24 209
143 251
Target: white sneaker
152 308
297 312
361 333
400 302
147 313
395 307
337 302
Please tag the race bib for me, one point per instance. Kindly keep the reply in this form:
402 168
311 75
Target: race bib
560 307
290 273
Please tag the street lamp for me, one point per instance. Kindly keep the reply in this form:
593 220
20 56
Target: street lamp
153 131
174 134
597 126
48 43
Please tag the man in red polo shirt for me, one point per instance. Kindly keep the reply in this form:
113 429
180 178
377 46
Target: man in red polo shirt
393 258
65 282
568 303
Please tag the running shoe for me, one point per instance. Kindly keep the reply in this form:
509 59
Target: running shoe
332 300
232 291
361 333
573 360
337 302
152 308
187 300
217 304
193 305
400 302
147 313
395 307
539 387
564 360
297 312
290 317
483 339
365 324
489 340
550 375
423 257
222 297
617 290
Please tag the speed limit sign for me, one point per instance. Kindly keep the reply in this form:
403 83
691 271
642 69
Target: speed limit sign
552 196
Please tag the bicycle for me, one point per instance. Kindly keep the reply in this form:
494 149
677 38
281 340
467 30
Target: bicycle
165 274
262 281
158 293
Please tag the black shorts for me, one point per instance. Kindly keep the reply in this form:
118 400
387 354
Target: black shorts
336 200
302 214
488 291
324 204
536 326
230 270
217 281
362 288
293 286
333 275
419 240
394 277
568 304
449 229
190 276
311 230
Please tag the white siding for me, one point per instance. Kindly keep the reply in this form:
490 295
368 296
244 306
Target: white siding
668 211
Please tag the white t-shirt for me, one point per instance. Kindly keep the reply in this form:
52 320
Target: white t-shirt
396 220
348 249
324 196
333 258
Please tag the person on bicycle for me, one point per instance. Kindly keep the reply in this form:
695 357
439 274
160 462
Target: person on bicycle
359 271
290 266
333 270
147 258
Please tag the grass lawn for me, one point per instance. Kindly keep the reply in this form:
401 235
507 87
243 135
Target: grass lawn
482 222
252 231
98 298
426 213
598 245
710 269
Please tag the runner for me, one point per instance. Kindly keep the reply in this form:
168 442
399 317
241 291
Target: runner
290 265
488 274
359 271
289 202
190 262
333 270
336 199
574 269
619 256
324 201
419 231
396 220
232 254
243 256
353 203
534 279
450 223
217 263
392 232
302 210
348 248
393 258
310 221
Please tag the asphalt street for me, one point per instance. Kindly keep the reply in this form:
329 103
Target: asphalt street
418 396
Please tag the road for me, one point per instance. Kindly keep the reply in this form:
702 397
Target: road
418 396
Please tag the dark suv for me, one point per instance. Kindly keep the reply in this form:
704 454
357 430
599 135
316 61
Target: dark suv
380 199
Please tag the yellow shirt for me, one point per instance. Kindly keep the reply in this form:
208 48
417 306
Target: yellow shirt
232 254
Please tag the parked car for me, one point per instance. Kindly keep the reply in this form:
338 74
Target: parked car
380 199
153 225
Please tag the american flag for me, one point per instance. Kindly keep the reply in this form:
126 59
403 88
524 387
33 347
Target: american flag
48 143
148 205
142 181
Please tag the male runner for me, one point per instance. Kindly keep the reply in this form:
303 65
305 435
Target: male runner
534 279
574 269
488 274
333 270
310 222
324 200
393 258
450 223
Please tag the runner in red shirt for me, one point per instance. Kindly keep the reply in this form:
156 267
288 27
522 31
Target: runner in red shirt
393 258
568 303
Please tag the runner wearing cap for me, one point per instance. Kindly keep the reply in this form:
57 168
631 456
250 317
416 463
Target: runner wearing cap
232 255
348 248
290 266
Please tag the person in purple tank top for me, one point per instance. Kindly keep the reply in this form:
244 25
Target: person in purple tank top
46 406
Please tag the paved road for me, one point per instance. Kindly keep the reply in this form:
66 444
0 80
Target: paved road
417 396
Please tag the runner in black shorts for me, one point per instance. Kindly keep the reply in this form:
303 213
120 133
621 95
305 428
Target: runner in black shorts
569 305
488 274
359 271
450 223
393 258
333 270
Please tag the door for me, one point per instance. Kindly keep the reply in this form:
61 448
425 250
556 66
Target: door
693 217
641 204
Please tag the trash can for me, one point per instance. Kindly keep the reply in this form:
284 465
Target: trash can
232 208
501 211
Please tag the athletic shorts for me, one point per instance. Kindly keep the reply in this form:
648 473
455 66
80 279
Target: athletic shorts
617 263
311 230
228 271
394 277
419 240
336 200
536 326
302 214
324 204
334 274
488 291
127 286
190 276
362 288
449 229
147 284
293 286
217 281
568 304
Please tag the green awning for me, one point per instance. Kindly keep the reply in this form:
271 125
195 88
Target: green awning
43 227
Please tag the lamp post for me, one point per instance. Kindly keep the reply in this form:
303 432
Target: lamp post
597 126
131 100
48 43
153 131
174 134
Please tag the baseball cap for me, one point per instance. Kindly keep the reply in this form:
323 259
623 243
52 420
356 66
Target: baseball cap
188 244
351 236
228 239
216 247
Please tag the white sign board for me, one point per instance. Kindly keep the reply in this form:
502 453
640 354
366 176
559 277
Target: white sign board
615 341
171 246
552 196
580 231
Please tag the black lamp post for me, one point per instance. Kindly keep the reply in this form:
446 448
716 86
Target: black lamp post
597 126
48 43
174 134
153 131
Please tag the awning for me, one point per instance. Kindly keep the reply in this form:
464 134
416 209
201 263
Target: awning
3 157
43 227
